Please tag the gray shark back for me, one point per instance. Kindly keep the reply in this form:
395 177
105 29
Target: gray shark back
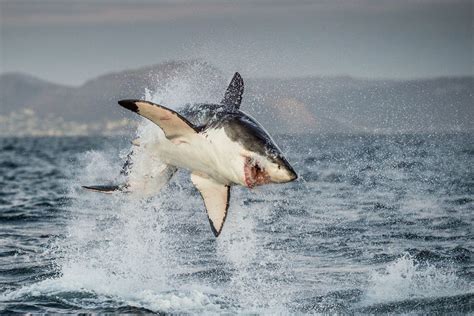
203 114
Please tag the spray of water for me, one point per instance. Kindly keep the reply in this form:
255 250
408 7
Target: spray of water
407 279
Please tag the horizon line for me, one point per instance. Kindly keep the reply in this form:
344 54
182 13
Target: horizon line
315 76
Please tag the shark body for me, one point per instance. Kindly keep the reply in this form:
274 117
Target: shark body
218 143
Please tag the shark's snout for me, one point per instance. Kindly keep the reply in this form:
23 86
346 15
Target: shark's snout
290 173
282 172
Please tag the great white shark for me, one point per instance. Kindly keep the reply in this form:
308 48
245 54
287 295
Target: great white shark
218 143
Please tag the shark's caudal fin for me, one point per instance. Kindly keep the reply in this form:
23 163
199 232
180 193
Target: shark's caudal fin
171 122
216 198
234 92
104 188
143 185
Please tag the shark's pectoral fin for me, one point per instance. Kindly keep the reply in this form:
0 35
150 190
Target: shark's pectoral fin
216 198
233 94
171 122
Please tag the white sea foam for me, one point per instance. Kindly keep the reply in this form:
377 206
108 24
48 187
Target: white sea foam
105 295
407 279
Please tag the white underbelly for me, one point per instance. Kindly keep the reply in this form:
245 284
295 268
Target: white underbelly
212 154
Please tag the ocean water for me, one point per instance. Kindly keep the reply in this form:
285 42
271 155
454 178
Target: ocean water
374 224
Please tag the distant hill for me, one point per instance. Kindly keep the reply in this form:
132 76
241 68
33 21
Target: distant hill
31 106
20 90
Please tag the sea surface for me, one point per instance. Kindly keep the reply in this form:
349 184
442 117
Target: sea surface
374 224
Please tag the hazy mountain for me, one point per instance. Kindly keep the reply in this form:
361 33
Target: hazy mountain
20 90
305 105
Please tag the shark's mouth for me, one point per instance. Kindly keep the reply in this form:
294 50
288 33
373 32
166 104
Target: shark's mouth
254 173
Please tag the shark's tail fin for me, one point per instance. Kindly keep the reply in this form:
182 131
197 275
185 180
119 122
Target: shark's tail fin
143 174
142 186
105 188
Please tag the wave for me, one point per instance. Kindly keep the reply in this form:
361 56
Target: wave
409 279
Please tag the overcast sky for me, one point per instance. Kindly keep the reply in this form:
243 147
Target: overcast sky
71 41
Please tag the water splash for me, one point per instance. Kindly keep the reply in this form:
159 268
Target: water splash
407 279
259 282
197 83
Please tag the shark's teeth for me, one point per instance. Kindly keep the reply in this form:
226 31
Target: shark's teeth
254 173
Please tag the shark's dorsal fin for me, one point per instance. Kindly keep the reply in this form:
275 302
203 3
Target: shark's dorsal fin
216 198
233 94
171 122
